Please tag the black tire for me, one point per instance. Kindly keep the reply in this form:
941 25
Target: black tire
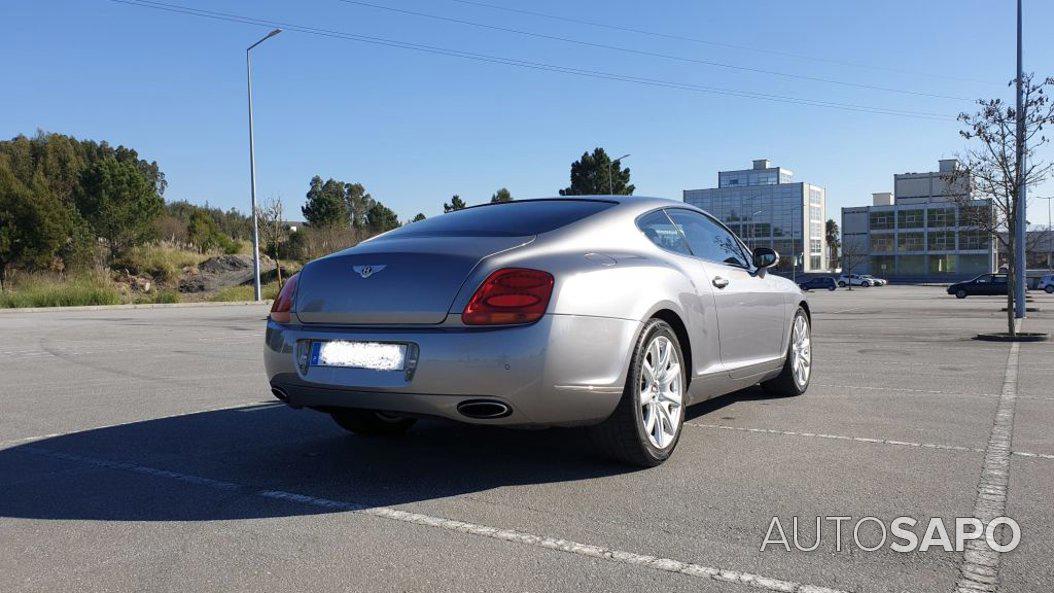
832 288
622 435
842 284
1049 289
960 294
784 384
369 423
866 284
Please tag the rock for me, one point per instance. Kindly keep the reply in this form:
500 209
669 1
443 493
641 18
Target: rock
223 271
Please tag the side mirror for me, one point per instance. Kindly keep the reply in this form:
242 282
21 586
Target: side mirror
765 257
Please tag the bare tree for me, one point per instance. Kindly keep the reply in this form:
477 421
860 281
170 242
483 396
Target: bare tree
854 255
992 171
271 217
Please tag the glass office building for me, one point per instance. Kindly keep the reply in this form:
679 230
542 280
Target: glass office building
920 231
765 207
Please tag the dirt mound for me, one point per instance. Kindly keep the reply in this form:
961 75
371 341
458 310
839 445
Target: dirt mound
223 271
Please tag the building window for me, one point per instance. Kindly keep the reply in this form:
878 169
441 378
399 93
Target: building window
975 216
882 243
942 217
943 264
882 265
910 242
911 219
881 220
974 264
911 264
942 241
815 246
815 262
973 240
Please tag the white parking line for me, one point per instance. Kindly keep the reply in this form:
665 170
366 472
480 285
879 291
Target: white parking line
670 565
875 441
839 437
906 390
980 565
927 391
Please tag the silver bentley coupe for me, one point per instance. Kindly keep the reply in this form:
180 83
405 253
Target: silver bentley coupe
613 313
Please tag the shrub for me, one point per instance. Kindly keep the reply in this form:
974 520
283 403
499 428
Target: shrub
159 296
43 291
162 263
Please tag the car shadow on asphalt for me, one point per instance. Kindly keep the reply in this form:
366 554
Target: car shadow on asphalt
214 465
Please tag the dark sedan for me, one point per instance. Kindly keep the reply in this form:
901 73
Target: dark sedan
985 284
819 283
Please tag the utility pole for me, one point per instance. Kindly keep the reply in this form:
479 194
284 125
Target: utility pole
1022 220
252 166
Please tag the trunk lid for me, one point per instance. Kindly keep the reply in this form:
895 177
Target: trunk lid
392 281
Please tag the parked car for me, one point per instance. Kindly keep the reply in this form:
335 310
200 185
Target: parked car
854 280
1046 282
820 282
591 312
985 284
875 281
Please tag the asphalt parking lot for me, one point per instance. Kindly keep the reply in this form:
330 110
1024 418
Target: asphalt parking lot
141 450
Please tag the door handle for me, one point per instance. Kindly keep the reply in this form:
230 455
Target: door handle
720 282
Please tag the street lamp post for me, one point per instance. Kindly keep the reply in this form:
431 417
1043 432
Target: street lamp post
252 165
611 175
1019 251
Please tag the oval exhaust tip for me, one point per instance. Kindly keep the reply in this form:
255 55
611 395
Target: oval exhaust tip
279 394
483 409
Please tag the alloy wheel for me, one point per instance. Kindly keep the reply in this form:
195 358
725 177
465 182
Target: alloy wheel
801 352
661 392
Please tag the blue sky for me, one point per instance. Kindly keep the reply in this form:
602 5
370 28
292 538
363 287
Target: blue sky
415 128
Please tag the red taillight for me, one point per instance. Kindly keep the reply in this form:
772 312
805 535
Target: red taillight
280 310
512 295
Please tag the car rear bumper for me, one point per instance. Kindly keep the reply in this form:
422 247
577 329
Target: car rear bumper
561 370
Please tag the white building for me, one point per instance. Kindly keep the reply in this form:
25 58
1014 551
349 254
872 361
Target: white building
765 207
918 231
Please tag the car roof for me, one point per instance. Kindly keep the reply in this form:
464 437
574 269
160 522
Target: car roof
634 204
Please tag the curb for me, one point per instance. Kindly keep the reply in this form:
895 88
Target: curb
11 310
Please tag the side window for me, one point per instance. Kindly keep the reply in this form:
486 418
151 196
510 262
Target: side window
657 227
984 279
709 240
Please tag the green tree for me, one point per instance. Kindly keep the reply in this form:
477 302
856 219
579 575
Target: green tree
596 174
358 204
420 216
834 242
119 203
502 195
381 219
33 224
456 203
204 233
326 204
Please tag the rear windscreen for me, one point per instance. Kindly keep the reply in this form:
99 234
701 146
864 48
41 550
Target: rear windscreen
512 219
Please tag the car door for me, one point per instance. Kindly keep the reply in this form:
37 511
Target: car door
998 285
700 309
980 285
751 306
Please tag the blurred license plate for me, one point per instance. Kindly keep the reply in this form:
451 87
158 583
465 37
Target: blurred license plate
359 355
